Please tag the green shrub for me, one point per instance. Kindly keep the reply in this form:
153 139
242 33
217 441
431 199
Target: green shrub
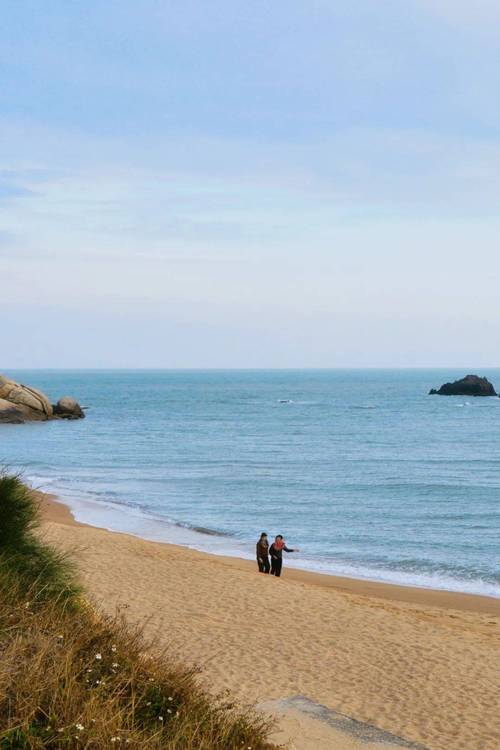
23 556
18 512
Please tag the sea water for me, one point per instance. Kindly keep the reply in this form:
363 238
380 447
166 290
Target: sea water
360 469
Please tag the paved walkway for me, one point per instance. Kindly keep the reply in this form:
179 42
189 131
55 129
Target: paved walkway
306 725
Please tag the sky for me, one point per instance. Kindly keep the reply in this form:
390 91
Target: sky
250 184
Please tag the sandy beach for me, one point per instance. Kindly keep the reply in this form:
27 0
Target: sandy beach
421 664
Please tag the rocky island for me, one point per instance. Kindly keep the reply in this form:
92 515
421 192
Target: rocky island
20 403
471 385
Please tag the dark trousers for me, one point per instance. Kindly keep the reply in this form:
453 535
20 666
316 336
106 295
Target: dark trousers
263 564
276 565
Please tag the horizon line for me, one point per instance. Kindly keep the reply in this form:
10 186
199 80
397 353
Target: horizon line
250 369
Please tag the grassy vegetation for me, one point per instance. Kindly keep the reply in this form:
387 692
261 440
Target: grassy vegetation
70 678
24 559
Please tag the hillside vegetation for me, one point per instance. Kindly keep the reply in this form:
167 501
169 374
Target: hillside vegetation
72 678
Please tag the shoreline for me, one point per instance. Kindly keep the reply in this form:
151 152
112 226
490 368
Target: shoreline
54 509
398 660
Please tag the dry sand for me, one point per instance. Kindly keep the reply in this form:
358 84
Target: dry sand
423 665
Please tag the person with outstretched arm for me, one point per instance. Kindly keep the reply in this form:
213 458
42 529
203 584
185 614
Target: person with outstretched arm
276 552
262 549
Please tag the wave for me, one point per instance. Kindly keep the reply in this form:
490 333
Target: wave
299 402
442 582
39 482
201 529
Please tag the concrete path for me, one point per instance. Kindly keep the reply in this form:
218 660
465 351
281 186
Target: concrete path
306 725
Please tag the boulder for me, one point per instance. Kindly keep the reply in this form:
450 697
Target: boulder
9 413
68 408
33 404
471 385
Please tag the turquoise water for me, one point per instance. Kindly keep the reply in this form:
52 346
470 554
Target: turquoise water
361 469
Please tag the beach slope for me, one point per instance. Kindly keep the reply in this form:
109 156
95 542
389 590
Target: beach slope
407 663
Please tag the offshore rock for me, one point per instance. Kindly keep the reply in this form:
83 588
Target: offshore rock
471 385
20 403
68 408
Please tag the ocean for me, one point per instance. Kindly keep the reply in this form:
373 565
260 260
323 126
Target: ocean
360 469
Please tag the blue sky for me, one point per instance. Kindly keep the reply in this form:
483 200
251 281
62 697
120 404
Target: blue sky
188 184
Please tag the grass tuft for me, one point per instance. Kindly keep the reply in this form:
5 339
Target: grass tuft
24 558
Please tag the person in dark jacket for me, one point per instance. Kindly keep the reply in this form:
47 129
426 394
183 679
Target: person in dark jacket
262 550
276 552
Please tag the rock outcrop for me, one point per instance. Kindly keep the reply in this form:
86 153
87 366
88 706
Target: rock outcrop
20 403
9 413
34 405
471 385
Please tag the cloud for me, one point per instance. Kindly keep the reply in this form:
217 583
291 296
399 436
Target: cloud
224 204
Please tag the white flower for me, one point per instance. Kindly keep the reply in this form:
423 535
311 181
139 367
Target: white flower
148 703
60 636
169 710
160 718
80 727
170 698
113 647
98 657
115 664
